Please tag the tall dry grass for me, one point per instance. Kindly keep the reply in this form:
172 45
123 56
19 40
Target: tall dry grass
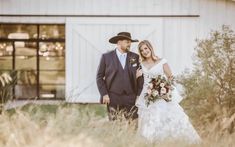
73 125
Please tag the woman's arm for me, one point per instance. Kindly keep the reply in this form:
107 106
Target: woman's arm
167 71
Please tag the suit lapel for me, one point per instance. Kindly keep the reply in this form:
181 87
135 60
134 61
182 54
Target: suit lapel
127 61
115 60
131 71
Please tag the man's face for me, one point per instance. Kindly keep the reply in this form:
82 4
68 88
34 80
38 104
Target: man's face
124 45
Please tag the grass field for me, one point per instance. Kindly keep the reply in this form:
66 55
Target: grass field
77 125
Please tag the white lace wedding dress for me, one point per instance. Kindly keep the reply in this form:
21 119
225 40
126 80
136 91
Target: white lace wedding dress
163 120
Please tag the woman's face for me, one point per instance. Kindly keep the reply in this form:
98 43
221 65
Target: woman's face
145 51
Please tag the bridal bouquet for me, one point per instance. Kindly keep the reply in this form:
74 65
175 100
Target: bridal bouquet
159 88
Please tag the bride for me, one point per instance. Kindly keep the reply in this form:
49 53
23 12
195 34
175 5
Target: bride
161 120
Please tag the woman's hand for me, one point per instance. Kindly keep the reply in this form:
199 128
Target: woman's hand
139 72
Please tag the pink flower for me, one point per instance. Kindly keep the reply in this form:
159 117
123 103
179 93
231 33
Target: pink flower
151 86
149 91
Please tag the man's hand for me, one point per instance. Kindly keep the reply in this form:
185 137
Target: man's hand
136 99
106 99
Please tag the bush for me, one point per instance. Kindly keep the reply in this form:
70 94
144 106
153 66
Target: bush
209 89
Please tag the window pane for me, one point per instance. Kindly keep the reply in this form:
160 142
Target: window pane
21 31
26 84
52 63
51 49
52 91
5 63
25 55
52 56
26 62
28 77
52 77
26 48
51 31
25 91
6 49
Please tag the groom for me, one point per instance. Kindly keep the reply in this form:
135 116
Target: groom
116 78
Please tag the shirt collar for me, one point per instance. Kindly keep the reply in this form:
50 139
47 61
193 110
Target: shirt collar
119 53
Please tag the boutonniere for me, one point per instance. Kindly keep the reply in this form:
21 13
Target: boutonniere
133 62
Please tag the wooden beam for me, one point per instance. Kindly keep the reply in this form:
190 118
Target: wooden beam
35 15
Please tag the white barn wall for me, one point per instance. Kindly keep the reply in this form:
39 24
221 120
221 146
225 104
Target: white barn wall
106 7
114 7
213 13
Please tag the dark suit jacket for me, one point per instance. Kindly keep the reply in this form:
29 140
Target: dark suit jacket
108 68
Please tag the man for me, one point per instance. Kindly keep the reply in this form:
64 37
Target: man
116 78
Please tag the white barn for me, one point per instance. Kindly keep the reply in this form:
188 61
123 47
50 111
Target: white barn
171 25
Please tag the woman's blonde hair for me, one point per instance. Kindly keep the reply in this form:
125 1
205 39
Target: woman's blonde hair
148 44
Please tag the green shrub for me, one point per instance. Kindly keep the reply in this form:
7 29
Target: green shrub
209 89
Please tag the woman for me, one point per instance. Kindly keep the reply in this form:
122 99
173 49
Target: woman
161 119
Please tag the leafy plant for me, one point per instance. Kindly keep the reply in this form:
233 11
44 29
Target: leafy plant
210 88
7 82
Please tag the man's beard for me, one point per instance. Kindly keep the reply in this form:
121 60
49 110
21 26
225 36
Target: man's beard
126 49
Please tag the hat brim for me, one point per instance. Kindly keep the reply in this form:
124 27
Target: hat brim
115 39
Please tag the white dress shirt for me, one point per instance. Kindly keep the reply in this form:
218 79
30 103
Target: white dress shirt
121 57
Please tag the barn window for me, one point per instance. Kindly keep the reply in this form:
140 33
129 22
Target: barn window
37 53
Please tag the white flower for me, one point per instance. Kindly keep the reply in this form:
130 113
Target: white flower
149 91
169 96
162 84
155 93
150 85
163 90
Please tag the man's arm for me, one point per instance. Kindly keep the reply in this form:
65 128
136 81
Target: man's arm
100 77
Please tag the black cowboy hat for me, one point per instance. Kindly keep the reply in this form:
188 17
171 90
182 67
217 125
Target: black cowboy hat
122 36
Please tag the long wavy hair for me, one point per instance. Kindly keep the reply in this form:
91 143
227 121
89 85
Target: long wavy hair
148 44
